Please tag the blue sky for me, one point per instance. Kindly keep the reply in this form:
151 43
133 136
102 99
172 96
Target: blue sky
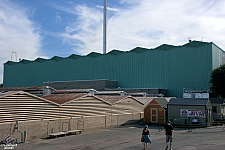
47 28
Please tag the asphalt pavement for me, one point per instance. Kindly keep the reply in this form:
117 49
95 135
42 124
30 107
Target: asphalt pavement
128 138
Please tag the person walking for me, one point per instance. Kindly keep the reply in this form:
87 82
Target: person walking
169 134
146 137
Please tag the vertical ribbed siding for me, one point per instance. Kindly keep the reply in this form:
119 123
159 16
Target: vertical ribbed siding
174 69
218 56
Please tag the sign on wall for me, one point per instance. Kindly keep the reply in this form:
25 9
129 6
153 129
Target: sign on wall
195 95
192 113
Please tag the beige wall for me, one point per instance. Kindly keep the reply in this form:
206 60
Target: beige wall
40 129
128 105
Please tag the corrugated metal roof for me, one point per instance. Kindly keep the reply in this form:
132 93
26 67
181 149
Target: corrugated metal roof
111 99
40 60
195 44
93 54
10 62
165 47
192 44
217 100
162 102
62 98
116 52
7 93
74 56
139 50
188 101
25 88
23 106
16 93
72 91
110 92
24 61
57 58
144 100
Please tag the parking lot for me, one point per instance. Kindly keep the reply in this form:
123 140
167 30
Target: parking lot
128 138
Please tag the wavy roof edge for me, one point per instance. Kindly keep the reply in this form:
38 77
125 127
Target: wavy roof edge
165 47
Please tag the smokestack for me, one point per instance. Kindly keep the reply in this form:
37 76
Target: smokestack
104 26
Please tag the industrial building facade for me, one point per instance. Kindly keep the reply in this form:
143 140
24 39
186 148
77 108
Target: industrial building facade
165 67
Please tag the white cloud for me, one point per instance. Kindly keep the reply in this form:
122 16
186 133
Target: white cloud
18 34
86 29
148 23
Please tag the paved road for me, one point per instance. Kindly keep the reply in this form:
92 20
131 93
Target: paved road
128 138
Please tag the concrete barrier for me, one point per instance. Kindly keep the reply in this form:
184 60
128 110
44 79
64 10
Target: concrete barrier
42 128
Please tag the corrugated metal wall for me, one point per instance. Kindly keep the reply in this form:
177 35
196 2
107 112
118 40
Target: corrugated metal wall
171 67
218 56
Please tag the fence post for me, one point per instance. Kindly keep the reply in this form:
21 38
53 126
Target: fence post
24 136
189 126
105 121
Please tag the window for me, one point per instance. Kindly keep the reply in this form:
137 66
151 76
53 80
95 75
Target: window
214 109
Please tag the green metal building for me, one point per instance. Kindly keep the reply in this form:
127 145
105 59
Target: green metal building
166 66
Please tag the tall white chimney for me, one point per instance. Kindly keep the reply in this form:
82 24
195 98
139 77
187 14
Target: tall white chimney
104 26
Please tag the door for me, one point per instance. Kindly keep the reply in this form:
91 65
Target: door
154 115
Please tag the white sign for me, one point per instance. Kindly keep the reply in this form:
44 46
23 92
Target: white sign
192 113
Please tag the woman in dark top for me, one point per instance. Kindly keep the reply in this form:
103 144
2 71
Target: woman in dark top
146 136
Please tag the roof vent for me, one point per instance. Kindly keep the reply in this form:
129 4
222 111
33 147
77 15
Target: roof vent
92 92
47 90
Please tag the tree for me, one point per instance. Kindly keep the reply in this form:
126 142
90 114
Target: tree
218 81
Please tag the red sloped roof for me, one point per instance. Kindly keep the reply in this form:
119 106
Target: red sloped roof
63 98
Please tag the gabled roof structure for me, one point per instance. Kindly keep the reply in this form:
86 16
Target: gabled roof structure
61 99
93 54
74 56
115 99
24 61
23 106
217 100
115 52
144 100
15 93
195 44
36 90
10 62
162 102
188 101
40 60
139 50
56 58
165 47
